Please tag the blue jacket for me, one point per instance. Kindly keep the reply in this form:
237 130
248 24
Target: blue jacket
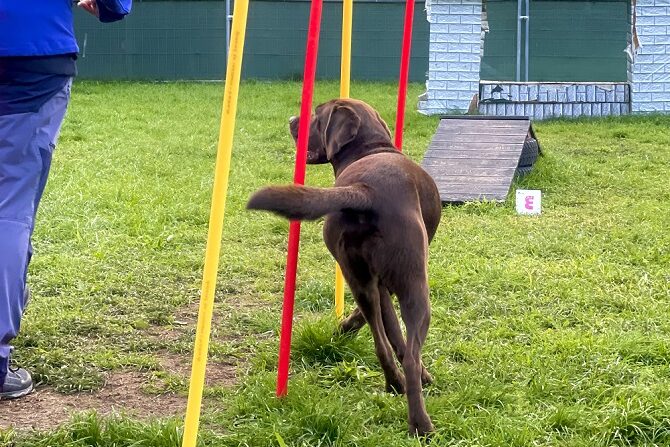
44 27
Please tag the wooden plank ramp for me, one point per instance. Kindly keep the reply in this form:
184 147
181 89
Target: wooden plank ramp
474 158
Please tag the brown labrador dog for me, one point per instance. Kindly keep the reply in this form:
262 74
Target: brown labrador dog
380 217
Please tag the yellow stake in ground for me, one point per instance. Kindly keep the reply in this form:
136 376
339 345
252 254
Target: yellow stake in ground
345 78
217 211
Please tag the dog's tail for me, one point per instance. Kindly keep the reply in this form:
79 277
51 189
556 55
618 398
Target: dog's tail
297 202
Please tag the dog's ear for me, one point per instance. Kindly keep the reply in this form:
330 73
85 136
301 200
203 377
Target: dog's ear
341 128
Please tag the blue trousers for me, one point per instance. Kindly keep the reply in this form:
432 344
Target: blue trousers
27 141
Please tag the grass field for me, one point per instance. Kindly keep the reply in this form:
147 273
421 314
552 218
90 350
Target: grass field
546 331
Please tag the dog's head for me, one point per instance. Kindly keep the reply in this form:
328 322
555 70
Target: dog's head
341 123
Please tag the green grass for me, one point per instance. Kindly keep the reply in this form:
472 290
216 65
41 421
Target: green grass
546 331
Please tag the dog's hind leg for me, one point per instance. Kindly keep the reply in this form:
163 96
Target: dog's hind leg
415 311
367 297
394 333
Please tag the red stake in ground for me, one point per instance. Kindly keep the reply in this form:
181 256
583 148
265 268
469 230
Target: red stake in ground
404 73
298 178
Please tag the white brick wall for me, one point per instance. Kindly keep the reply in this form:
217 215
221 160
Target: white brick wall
548 100
651 70
455 55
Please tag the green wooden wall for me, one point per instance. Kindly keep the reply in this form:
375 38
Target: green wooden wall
569 41
170 40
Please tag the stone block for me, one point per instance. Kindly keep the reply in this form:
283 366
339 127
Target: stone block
460 48
462 9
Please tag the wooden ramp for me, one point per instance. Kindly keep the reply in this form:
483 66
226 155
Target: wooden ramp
475 157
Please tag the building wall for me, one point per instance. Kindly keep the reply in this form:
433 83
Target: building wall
454 55
651 70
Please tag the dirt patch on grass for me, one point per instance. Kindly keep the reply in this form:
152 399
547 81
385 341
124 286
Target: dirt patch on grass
217 374
122 393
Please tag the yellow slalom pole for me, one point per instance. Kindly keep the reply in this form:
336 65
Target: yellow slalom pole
217 212
339 291
345 67
345 78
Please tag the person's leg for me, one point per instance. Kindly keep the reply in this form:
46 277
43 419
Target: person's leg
51 117
20 168
26 145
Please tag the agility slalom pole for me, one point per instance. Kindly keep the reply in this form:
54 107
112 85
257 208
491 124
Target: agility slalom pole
217 212
345 82
339 291
404 73
345 66
298 178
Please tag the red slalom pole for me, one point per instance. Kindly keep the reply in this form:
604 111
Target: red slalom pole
404 73
298 178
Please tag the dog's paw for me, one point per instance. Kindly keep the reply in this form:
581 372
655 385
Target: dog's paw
421 427
346 328
352 324
396 386
426 378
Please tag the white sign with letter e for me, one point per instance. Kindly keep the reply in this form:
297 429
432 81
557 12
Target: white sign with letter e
528 201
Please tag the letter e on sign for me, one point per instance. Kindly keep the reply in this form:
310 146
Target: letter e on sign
528 201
